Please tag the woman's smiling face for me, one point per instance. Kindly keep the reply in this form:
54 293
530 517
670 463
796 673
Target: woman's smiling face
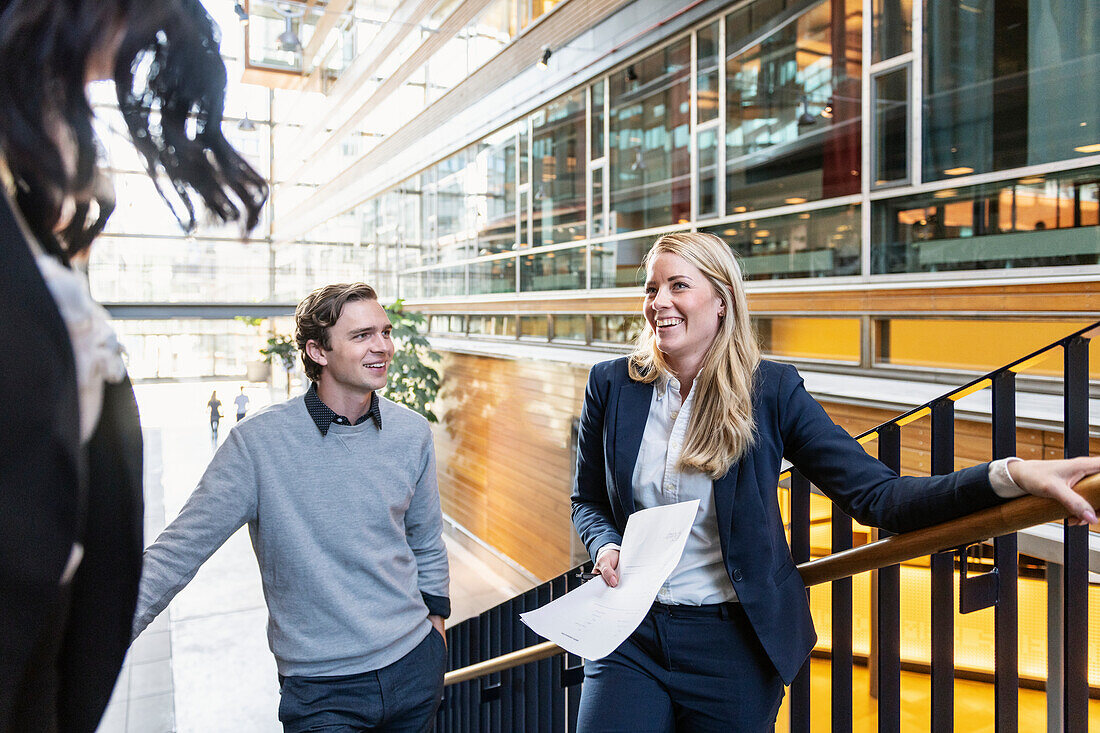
682 309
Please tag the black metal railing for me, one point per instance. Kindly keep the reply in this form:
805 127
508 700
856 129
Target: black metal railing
542 695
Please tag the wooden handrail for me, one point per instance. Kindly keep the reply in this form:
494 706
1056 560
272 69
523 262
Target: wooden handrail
1009 517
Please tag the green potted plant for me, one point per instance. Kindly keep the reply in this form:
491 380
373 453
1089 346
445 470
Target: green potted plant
413 381
283 349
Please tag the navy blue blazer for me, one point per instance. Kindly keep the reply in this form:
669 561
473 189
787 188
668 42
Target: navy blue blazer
789 424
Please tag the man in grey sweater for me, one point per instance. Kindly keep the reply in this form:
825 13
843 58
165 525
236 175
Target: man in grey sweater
338 489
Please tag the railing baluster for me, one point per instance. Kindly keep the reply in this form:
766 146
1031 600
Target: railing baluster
888 609
943 583
800 551
1075 627
573 692
1006 674
557 701
543 668
841 665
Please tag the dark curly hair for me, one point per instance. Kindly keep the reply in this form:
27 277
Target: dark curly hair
318 312
170 80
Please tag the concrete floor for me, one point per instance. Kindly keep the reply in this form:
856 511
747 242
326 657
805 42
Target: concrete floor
203 666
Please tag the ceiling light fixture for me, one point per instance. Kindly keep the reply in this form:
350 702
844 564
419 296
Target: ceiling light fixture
962 170
806 119
288 40
544 62
242 14
246 125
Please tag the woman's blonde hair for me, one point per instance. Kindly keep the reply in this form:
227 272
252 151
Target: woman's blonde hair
721 427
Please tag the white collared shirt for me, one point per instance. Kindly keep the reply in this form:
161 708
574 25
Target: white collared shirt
700 577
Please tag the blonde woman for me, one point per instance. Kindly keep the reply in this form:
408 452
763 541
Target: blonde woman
695 413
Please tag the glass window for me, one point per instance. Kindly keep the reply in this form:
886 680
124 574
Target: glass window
598 224
599 92
570 327
830 339
707 142
891 28
810 244
792 104
650 160
1030 222
973 345
560 270
524 221
494 276
446 281
492 325
1019 86
706 79
558 170
495 185
891 121
534 327
619 264
617 328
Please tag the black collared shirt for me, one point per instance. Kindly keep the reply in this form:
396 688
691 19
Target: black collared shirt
323 416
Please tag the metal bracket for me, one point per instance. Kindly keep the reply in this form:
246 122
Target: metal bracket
570 675
976 591
491 692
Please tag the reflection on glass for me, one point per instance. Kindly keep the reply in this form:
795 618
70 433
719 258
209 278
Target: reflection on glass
493 325
707 142
829 339
524 155
524 221
181 348
1031 222
617 328
569 327
599 91
495 193
494 276
1019 86
973 345
891 120
650 160
792 104
558 174
445 281
619 264
560 270
891 28
706 79
811 244
599 227
534 327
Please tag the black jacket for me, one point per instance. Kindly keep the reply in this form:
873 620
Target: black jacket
60 649
790 424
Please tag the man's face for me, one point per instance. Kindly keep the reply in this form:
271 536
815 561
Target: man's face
361 349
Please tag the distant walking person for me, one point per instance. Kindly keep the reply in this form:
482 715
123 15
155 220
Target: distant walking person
215 406
338 489
242 404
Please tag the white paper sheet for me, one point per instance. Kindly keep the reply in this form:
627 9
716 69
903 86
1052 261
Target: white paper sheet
591 621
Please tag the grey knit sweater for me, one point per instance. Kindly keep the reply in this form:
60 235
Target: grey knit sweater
346 528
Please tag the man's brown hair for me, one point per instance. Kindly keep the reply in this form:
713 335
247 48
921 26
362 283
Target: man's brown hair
317 313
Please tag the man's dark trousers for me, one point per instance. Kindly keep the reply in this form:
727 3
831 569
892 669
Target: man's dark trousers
400 698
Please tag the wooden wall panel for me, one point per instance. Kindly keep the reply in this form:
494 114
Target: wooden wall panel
505 458
504 454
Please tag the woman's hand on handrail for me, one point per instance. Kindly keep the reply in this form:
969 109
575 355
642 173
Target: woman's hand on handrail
1055 480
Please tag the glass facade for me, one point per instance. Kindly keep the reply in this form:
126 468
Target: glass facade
982 154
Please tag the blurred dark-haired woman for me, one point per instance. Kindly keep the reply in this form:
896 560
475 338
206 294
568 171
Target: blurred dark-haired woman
70 442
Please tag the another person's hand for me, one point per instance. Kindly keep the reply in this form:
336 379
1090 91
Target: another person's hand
437 622
1055 480
607 565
